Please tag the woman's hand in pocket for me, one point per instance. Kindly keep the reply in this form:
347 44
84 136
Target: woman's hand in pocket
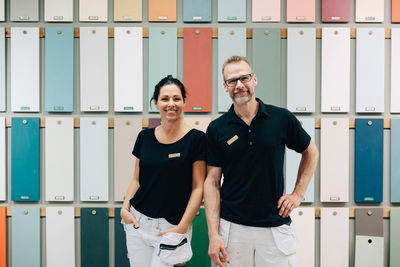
128 218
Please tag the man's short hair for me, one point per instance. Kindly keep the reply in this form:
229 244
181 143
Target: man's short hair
234 59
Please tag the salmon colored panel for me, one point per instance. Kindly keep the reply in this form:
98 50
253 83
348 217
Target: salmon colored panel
300 11
162 10
3 237
395 10
266 10
335 10
197 68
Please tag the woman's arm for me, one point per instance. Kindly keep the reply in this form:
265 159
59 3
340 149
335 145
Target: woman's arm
126 216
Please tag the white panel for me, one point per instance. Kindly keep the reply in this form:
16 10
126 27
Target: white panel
301 45
2 15
334 160
395 68
94 68
370 10
334 237
94 159
369 251
2 159
25 69
2 70
58 10
335 70
93 10
128 69
59 159
370 70
304 221
60 236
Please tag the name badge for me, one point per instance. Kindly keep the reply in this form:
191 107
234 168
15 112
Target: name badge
174 155
233 139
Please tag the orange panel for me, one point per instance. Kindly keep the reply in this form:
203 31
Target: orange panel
162 10
3 237
395 10
197 68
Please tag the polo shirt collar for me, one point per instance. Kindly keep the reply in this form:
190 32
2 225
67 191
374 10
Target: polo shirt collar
262 111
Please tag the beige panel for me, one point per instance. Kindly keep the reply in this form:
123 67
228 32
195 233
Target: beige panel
199 123
304 222
127 10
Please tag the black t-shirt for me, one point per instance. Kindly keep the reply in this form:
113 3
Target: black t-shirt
251 158
165 173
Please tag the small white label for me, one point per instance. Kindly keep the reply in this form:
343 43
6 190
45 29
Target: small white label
370 109
266 18
335 108
94 197
369 18
335 18
58 18
59 197
94 107
301 109
334 198
162 17
93 17
197 18
128 17
24 18
300 18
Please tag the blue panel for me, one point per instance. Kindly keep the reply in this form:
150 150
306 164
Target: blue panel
394 160
25 159
197 10
232 10
25 237
368 169
59 73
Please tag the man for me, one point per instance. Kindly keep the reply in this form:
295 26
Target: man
248 216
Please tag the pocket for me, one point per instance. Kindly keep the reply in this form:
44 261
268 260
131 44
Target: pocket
175 248
285 239
224 227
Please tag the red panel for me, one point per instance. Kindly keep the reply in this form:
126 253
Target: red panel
395 10
197 68
335 10
3 237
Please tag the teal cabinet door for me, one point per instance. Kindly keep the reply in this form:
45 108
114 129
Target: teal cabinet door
232 10
394 160
196 10
121 252
200 242
59 69
25 159
94 237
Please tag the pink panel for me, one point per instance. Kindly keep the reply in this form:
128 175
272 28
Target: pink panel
266 11
300 11
335 10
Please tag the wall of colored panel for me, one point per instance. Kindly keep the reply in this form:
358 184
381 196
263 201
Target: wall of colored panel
197 69
59 158
395 11
231 41
199 123
196 11
368 162
200 241
94 68
370 10
25 159
335 10
94 237
304 222
24 67
394 160
335 70
301 69
232 10
394 237
24 10
266 11
59 69
267 64
300 11
370 70
395 69
25 236
3 237
58 11
128 69
121 253
2 70
162 10
127 10
163 53
93 10
2 159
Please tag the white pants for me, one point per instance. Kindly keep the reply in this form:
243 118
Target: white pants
143 243
259 246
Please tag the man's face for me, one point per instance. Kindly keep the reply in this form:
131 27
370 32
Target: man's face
240 90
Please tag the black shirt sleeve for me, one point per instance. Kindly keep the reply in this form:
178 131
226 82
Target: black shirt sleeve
296 137
214 154
138 145
199 151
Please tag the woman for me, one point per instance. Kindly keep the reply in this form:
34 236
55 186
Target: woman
167 187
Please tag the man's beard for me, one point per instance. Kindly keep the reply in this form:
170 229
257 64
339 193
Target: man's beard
240 100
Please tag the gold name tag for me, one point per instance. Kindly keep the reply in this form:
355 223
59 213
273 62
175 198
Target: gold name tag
233 139
175 155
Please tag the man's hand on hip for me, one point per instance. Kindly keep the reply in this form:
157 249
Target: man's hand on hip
217 251
287 203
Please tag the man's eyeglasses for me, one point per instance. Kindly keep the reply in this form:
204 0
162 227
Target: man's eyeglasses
243 79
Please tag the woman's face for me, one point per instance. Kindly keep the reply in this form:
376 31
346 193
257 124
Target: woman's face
170 102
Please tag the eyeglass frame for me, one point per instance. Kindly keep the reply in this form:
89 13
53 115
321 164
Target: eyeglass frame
237 79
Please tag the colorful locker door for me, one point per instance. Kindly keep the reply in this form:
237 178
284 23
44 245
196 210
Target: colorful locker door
2 15
368 162
335 70
200 242
94 159
128 69
301 67
2 70
395 69
94 68
163 53
3 237
300 11
58 11
162 10
127 10
25 159
369 240
266 11
231 41
125 133
231 10
59 68
293 161
94 237
394 237
60 237
335 10
395 11
196 11
370 70
267 64
154 122
59 158
200 123
304 222
121 252
25 236
370 10
197 68
2 159
334 160
394 160
93 10
25 69
334 236
24 10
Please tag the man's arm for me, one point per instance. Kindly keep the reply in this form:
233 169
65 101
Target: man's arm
308 163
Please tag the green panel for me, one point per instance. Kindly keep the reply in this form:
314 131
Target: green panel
121 252
267 64
394 237
200 242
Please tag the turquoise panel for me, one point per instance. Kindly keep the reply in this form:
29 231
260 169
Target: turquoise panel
25 159
25 237
121 252
267 64
231 10
197 10
395 160
200 242
163 53
394 236
59 69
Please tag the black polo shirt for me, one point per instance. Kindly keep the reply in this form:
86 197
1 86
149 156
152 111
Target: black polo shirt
251 158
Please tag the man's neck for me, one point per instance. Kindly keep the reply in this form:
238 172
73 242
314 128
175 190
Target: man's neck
246 111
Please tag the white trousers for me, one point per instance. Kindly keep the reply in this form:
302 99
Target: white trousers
259 246
143 243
